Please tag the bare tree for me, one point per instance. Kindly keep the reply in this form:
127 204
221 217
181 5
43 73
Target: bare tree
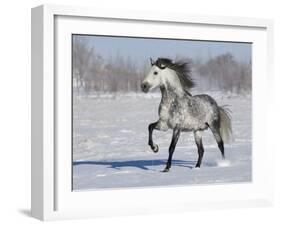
82 56
93 73
225 73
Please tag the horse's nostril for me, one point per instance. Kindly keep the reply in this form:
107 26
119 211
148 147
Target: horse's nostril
144 87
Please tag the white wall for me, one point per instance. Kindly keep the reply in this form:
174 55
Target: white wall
15 111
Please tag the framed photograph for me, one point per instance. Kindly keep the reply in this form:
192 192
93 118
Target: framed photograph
135 112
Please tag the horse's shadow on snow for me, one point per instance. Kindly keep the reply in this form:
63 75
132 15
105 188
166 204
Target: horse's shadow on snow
141 164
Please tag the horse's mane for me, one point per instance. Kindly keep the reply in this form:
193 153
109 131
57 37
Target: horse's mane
182 69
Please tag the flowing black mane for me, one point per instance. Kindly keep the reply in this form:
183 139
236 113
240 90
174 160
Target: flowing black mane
183 70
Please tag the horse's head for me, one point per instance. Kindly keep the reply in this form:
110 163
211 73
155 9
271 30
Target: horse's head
165 72
154 77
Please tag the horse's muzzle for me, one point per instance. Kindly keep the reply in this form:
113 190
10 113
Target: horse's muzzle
145 87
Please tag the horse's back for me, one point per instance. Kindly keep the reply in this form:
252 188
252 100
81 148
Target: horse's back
205 99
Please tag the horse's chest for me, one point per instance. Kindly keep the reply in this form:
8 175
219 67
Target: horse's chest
172 113
164 112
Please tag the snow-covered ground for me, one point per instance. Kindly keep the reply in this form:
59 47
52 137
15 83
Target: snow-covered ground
110 144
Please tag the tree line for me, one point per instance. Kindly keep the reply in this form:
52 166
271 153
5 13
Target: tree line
92 73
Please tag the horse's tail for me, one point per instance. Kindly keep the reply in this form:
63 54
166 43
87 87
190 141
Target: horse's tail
225 124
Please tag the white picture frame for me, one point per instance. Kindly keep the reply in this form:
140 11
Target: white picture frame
52 197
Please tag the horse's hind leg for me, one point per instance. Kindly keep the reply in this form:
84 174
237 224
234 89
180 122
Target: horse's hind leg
198 141
176 135
215 130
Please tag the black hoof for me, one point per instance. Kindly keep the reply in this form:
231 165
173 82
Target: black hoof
155 148
197 166
165 170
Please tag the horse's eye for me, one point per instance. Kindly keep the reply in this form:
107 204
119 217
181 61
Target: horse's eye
155 72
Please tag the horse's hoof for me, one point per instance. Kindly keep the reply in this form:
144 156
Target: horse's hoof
155 148
165 170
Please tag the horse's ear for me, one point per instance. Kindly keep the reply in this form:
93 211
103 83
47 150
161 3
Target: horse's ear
152 62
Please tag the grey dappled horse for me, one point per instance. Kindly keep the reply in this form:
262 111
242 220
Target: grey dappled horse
182 112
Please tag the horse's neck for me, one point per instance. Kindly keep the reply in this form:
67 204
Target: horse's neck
169 94
171 86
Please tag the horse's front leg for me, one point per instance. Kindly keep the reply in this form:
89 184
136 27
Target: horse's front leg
159 125
176 135
153 146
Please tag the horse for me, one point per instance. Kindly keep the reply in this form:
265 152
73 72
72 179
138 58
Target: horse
182 112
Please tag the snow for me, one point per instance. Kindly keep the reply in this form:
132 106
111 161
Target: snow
110 148
223 163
